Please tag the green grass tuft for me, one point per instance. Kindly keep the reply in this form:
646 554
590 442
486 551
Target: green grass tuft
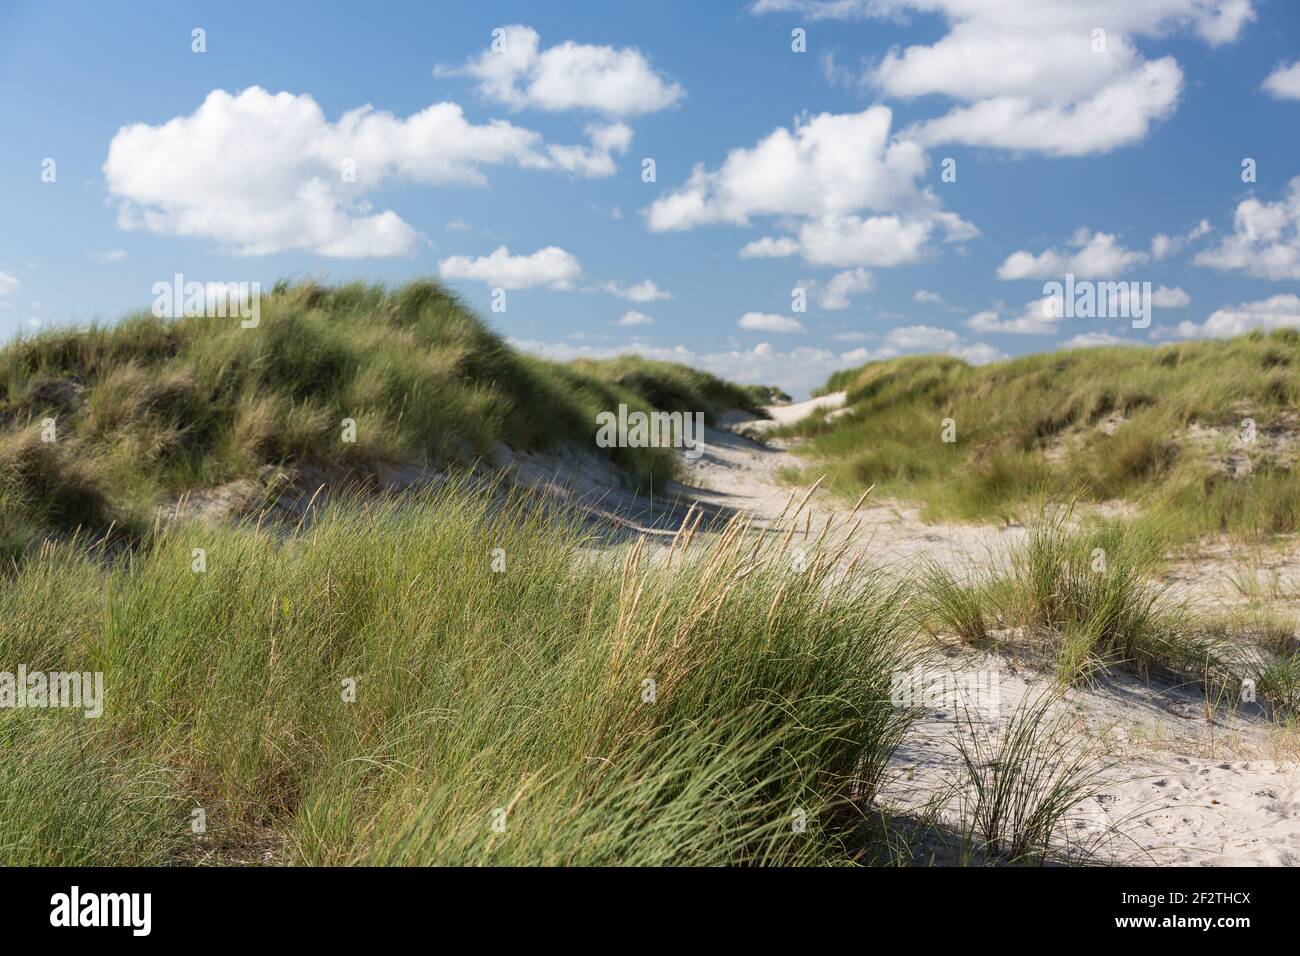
521 697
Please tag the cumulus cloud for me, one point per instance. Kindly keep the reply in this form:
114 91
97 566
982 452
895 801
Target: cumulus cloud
977 353
927 338
769 322
1037 318
516 71
828 164
551 267
1024 73
1276 312
597 159
1284 82
847 240
1088 255
1163 246
633 317
1167 298
8 283
836 293
263 173
644 291
1042 316
822 174
769 248
1265 242
1090 340
1119 113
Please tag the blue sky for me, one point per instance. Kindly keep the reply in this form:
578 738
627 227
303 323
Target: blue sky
1118 163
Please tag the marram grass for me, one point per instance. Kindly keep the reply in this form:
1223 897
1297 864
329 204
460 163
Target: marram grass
100 425
584 704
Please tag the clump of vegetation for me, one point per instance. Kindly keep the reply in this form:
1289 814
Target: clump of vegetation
378 689
1085 594
1023 784
1088 598
1166 426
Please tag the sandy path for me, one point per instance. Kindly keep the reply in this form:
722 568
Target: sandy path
1187 784
736 473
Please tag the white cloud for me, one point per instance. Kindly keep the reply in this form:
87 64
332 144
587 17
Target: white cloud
644 291
551 267
1115 115
112 255
1215 21
1091 254
1090 340
769 248
1279 311
264 173
842 285
1037 318
1042 316
1024 73
977 353
769 322
1167 298
926 338
597 159
633 317
928 298
516 71
8 283
1265 242
847 240
822 174
1163 246
1284 82
829 164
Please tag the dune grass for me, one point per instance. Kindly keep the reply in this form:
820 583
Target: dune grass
671 387
1021 786
1163 426
1087 598
515 700
147 408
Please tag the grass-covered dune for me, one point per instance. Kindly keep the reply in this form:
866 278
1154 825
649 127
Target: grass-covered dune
148 408
1166 426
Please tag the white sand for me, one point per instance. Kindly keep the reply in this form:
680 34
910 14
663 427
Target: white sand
1187 785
